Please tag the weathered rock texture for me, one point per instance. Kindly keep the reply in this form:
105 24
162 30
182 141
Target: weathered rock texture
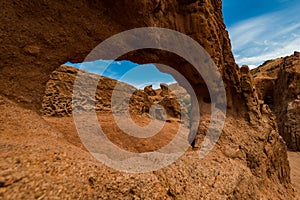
39 159
59 89
57 101
278 85
46 34
249 161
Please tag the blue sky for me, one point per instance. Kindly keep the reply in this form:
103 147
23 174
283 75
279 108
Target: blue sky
262 29
128 72
259 30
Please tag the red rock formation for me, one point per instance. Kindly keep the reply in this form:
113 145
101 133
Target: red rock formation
45 35
278 84
57 101
248 162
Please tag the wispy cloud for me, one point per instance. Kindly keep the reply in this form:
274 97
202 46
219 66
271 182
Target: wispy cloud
266 37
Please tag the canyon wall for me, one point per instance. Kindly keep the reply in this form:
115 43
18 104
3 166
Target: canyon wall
278 85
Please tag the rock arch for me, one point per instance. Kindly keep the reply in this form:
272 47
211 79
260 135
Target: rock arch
46 34
38 36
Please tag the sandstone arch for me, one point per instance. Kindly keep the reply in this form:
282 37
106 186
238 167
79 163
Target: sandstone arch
46 34
39 36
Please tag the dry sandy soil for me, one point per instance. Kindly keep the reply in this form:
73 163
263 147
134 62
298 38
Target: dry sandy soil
294 158
43 158
37 151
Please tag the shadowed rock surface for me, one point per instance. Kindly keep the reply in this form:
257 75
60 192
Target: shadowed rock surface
278 85
46 34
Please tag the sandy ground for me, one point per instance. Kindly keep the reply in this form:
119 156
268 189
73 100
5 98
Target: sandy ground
66 126
43 158
294 158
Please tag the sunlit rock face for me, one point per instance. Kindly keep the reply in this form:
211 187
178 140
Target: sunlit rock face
57 101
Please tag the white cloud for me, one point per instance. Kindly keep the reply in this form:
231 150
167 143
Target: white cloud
266 37
287 49
247 31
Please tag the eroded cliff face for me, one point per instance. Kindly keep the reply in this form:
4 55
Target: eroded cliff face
249 161
278 84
